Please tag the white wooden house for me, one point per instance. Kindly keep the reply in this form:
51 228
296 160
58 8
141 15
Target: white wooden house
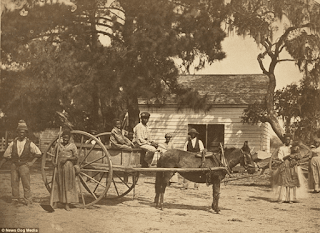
228 96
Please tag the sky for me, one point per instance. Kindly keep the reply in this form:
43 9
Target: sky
241 58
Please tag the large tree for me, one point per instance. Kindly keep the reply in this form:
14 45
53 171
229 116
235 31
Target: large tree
262 20
61 45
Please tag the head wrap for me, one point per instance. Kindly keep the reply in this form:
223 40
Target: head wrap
22 125
66 132
168 135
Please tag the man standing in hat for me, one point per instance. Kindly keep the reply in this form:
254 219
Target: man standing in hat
22 153
141 137
195 145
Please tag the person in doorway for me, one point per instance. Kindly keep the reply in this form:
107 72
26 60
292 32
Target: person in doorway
142 139
22 153
117 139
194 145
65 190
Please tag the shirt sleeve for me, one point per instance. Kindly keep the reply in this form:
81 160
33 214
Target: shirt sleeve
34 149
74 150
280 154
201 147
7 154
316 150
185 146
117 137
140 136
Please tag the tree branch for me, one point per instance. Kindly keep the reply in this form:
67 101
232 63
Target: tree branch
104 25
104 18
281 60
110 35
259 58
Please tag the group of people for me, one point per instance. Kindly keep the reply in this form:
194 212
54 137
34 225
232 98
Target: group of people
23 153
288 180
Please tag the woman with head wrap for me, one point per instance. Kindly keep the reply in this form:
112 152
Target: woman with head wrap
65 190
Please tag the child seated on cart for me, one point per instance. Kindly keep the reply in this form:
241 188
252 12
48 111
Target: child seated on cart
117 139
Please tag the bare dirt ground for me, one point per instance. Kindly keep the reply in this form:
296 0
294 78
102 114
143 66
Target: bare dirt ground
246 205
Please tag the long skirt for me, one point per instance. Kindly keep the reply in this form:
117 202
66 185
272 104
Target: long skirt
314 172
289 184
65 190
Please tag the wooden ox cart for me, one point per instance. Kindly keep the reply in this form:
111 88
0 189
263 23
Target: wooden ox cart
104 172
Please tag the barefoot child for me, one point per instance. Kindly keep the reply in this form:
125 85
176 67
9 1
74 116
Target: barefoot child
65 190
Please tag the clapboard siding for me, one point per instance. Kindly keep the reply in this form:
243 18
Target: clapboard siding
46 137
168 119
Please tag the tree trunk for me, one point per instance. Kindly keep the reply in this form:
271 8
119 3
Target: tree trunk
133 112
272 115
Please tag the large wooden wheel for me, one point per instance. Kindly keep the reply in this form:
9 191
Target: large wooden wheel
122 182
96 170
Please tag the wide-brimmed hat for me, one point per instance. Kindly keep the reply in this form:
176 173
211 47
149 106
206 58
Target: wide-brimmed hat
191 131
145 115
22 125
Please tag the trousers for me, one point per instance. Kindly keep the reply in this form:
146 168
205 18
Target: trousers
20 172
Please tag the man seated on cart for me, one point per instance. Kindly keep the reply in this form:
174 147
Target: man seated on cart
142 139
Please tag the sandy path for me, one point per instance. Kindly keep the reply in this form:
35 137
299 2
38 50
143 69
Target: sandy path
246 206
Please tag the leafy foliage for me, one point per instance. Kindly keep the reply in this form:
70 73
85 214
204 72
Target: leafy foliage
56 52
261 19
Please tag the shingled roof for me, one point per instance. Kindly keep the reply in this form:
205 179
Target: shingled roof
228 89
235 89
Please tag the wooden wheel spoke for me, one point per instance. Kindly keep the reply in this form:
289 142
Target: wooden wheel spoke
86 187
115 186
93 161
88 153
122 181
99 182
79 152
94 180
96 174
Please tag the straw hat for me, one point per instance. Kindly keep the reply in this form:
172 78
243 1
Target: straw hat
191 131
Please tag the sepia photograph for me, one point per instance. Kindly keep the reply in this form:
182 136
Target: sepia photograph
160 116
